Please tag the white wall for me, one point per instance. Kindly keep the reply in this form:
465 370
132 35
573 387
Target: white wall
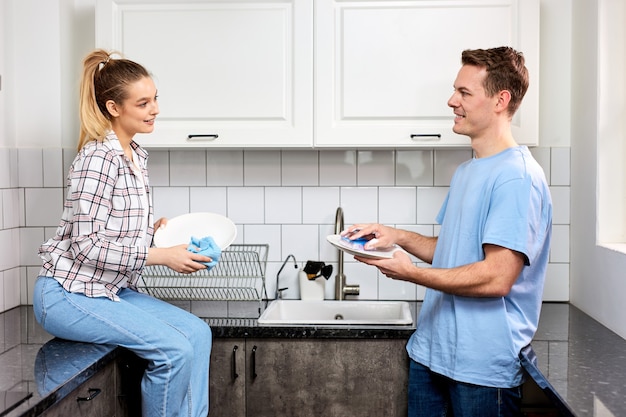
229 181
598 280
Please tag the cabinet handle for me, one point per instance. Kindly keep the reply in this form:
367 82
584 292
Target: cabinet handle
234 366
93 393
202 137
254 374
426 136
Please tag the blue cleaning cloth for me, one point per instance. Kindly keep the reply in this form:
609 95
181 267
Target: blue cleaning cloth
206 246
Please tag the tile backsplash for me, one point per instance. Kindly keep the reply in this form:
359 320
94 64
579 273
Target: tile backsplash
286 199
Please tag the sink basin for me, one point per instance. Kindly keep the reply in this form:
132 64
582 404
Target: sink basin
336 313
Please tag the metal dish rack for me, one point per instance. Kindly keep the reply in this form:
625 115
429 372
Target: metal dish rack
238 276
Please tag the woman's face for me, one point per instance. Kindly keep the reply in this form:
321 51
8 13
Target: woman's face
138 112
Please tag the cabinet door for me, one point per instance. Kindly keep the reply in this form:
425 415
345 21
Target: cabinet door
227 378
385 69
326 377
94 398
229 73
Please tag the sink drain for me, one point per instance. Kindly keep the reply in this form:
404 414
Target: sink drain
338 317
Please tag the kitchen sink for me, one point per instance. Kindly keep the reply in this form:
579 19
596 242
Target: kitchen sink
336 313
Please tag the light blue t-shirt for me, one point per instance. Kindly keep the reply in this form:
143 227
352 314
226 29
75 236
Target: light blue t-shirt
502 200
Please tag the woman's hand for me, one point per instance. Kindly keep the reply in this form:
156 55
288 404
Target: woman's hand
177 258
160 223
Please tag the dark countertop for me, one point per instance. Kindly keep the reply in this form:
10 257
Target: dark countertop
583 360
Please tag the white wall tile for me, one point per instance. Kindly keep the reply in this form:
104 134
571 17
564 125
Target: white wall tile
337 168
446 163
397 205
27 281
2 294
366 276
556 287
414 168
376 168
327 252
299 168
287 199
210 308
246 204
264 234
11 288
429 201
360 204
1 210
301 241
559 247
68 158
14 175
170 202
159 168
225 168
208 199
391 289
283 205
10 208
30 240
560 163
44 206
319 204
30 167
187 168
560 205
261 168
5 168
543 157
53 173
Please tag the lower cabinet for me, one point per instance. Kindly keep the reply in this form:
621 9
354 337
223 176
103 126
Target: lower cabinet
113 391
227 378
94 398
308 377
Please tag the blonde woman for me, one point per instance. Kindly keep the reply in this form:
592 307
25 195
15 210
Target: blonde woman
86 288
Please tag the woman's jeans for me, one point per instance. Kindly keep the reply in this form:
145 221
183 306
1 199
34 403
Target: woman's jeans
176 344
434 395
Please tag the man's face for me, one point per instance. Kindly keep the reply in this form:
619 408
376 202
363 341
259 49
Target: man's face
473 109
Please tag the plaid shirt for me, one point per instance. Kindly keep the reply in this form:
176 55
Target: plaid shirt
100 246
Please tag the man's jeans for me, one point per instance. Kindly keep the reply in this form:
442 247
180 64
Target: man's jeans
176 344
434 395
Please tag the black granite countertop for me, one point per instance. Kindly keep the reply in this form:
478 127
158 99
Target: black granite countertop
582 360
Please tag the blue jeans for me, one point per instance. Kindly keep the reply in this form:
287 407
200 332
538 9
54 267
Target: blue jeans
434 395
176 344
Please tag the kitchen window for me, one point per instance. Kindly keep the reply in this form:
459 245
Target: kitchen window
611 125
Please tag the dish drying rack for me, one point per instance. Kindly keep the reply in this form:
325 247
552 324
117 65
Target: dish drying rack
238 276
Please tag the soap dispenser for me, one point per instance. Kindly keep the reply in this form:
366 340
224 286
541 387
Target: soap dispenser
311 286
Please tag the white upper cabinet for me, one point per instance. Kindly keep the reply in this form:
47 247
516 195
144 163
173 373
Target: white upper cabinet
384 70
314 73
228 73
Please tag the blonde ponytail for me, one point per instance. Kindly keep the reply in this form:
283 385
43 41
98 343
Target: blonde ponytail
104 78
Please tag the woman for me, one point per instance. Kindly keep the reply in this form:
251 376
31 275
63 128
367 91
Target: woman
86 289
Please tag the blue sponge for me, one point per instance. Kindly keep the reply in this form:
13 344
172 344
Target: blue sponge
355 243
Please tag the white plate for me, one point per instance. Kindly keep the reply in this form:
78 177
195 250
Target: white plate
180 229
341 244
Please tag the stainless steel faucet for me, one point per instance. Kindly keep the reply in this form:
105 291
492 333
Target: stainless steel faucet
341 288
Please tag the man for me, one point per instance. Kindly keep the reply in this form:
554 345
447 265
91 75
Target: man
489 261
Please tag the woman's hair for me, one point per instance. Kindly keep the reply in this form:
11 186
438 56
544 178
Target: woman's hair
505 71
104 78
